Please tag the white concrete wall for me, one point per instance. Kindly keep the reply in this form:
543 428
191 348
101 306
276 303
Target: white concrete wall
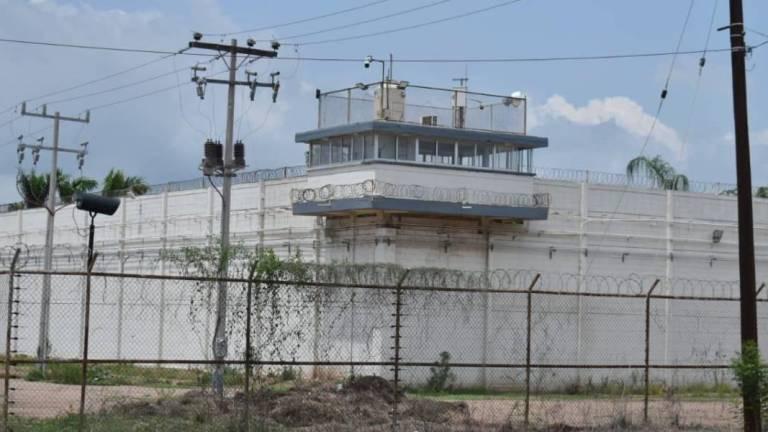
592 230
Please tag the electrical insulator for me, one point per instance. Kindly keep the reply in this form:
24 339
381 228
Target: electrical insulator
239 155
35 156
208 165
209 150
219 154
20 151
201 88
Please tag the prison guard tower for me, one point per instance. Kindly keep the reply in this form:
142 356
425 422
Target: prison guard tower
391 154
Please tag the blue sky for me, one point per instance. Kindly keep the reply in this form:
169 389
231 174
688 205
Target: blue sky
595 113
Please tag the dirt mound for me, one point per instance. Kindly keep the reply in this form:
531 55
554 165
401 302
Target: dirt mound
364 402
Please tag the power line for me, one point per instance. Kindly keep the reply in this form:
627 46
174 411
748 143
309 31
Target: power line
143 95
301 21
414 26
702 63
594 57
765 35
90 47
524 59
663 98
96 80
367 21
120 87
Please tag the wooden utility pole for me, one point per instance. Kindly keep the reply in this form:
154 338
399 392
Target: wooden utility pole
751 399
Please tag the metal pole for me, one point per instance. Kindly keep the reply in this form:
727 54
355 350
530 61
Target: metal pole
248 347
220 333
748 302
397 357
9 324
648 348
86 327
45 303
528 352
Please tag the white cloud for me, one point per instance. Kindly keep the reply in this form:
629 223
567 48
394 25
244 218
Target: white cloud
619 110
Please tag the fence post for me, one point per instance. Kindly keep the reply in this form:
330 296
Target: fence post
86 331
396 359
248 347
648 347
9 324
528 351
349 106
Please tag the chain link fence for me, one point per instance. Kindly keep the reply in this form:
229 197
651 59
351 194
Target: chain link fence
372 348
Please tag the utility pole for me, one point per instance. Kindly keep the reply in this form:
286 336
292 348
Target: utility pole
45 302
226 168
751 399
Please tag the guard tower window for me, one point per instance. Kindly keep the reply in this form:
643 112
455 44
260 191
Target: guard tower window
446 152
321 153
336 150
484 153
427 151
369 147
467 155
387 145
406 148
358 147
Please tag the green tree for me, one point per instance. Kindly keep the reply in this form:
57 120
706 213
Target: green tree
68 186
659 171
751 376
33 188
116 183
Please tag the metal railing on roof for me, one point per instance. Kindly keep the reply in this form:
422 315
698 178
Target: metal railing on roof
432 106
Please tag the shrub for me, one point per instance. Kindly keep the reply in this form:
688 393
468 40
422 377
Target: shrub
751 375
441 378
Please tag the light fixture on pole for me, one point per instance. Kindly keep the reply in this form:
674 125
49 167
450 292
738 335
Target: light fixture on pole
93 204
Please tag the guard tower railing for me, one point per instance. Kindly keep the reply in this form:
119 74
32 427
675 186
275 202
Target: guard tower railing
401 101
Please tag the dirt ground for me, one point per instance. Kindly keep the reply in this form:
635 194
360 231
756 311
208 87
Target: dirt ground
366 403
47 400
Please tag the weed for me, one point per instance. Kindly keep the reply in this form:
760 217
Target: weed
441 378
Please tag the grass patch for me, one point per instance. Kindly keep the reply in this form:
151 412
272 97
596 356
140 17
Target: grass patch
119 423
699 391
123 374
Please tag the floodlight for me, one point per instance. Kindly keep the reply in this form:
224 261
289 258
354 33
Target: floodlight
197 36
96 204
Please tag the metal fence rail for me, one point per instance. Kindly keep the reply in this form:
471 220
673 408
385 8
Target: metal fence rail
523 349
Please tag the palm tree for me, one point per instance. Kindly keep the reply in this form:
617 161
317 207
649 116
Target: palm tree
659 171
33 188
68 187
116 183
